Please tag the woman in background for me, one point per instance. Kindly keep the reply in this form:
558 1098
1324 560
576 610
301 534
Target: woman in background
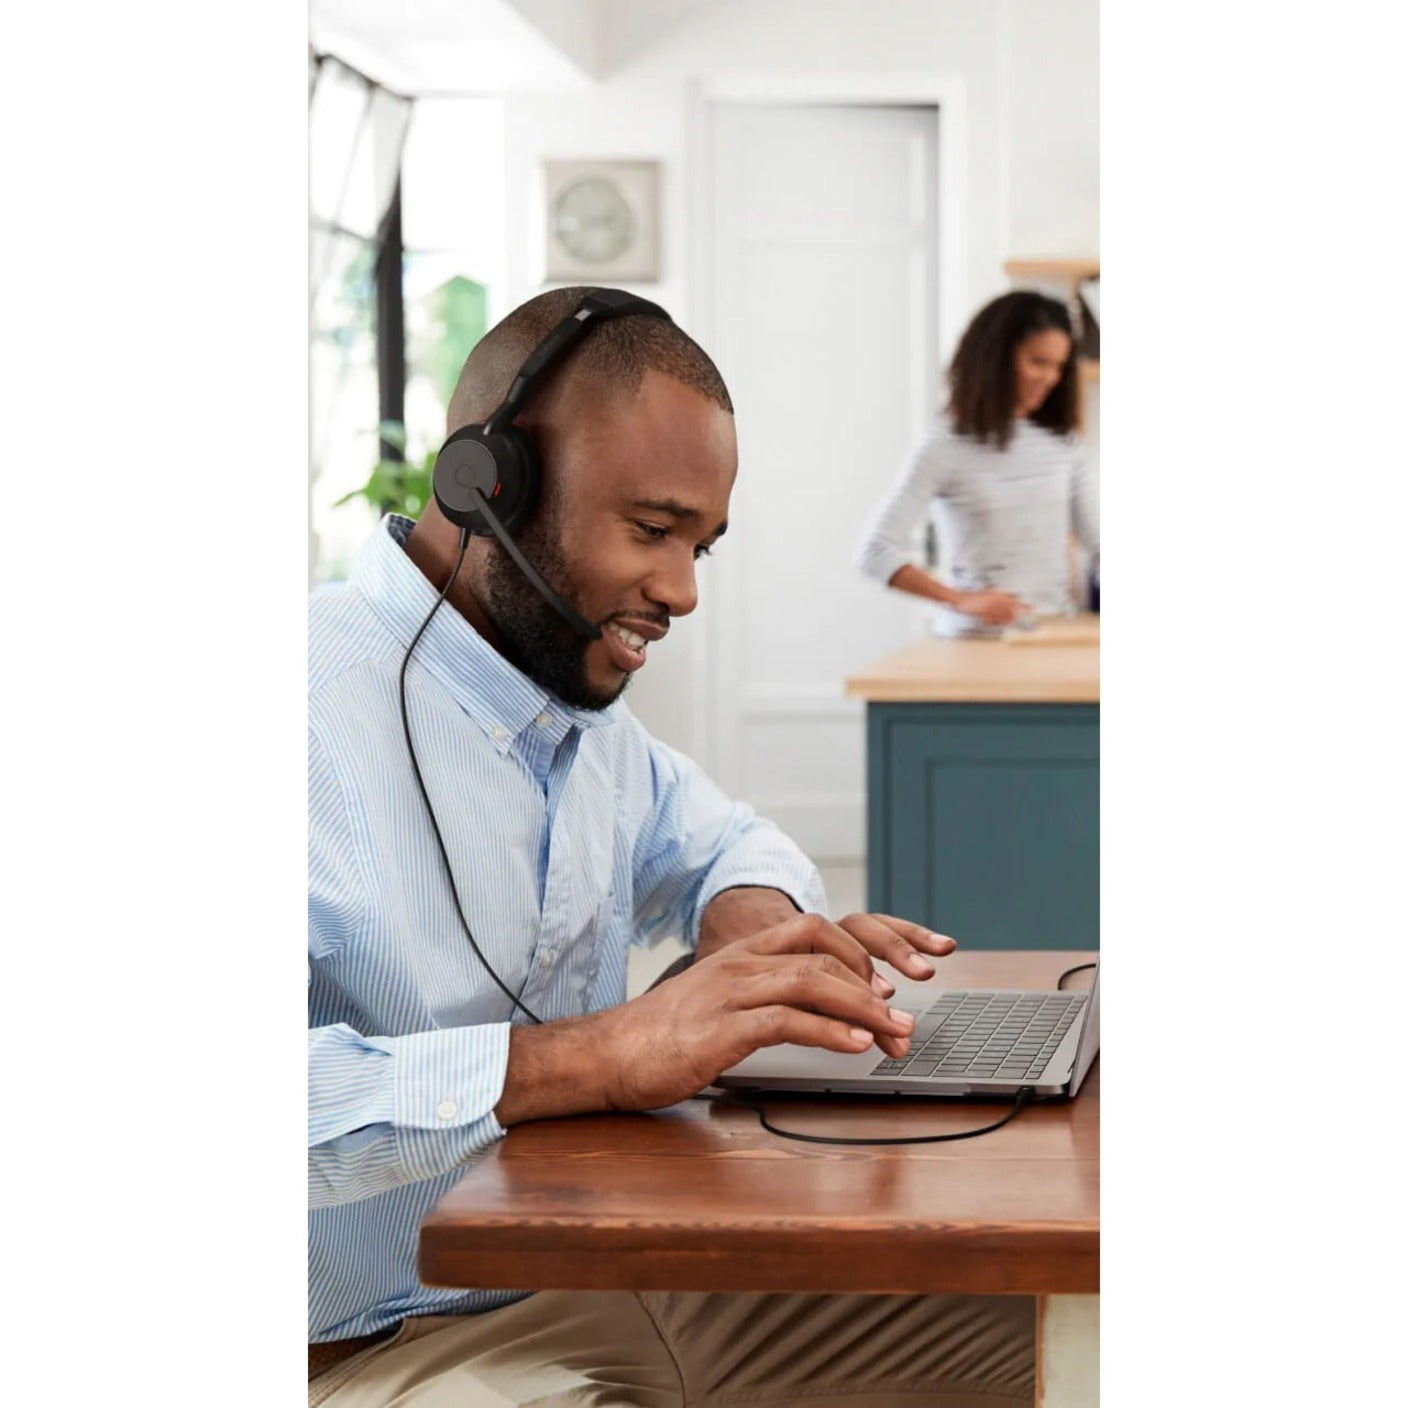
1001 475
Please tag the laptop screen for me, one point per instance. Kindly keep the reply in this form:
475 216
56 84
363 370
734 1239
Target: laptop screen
1089 1033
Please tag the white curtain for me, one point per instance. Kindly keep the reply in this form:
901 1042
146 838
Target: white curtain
356 134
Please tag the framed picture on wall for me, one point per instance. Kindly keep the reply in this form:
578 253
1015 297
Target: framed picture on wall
603 221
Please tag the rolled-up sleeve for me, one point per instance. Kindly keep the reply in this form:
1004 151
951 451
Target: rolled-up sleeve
887 544
383 1111
696 843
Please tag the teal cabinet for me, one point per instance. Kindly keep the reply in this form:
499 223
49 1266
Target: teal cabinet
984 821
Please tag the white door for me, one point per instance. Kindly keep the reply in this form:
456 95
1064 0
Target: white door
818 304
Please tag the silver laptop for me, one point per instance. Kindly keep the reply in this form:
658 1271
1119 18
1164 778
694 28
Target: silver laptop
965 1042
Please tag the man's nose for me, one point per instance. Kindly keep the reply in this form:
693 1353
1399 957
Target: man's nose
675 588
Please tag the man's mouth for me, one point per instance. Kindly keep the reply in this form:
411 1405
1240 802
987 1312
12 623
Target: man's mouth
626 643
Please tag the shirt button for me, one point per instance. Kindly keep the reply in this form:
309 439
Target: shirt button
447 1109
544 720
500 733
546 960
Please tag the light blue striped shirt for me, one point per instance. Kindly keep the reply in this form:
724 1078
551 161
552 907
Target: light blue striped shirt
572 833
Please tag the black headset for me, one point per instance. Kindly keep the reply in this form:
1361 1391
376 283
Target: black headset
488 476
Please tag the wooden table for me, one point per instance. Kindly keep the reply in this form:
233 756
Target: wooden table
700 1197
982 767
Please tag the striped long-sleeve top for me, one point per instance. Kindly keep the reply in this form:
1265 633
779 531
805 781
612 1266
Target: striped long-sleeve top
1003 518
571 832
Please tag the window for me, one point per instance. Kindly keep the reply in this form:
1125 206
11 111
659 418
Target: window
444 157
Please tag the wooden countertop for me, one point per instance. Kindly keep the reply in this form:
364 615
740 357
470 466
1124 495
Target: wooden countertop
1058 663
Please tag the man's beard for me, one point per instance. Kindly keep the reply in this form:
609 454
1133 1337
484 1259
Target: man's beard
533 637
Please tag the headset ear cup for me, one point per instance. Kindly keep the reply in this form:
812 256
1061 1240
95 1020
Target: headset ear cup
520 478
465 463
504 467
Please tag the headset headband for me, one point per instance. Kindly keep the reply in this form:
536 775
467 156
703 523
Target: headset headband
598 305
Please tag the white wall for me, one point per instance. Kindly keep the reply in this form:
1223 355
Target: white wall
1027 181
1029 69
1052 102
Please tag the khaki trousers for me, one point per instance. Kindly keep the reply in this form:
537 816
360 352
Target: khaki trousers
586 1349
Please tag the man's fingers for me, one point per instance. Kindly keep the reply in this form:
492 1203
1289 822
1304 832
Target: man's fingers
918 935
817 983
896 1047
897 941
814 933
771 1026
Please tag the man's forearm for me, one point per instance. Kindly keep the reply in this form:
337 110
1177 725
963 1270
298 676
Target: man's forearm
566 1067
741 912
555 1069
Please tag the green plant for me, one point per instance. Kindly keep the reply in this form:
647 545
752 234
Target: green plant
456 314
396 486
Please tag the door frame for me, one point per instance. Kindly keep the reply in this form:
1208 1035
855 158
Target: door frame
947 97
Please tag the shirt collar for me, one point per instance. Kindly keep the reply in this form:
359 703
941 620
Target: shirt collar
501 699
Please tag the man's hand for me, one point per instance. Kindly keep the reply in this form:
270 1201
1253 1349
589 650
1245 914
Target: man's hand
740 913
900 942
805 980
991 608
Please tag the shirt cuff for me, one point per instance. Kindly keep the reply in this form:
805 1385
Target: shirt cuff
444 1087
880 562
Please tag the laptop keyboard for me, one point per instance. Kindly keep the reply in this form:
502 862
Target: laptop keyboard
986 1036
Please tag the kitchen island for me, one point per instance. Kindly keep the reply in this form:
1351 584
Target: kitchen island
983 786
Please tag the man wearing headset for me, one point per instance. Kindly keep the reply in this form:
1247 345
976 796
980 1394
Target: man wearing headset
489 828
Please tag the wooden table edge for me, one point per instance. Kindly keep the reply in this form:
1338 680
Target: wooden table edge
1059 1259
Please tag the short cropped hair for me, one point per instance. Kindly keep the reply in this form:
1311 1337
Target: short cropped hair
615 353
